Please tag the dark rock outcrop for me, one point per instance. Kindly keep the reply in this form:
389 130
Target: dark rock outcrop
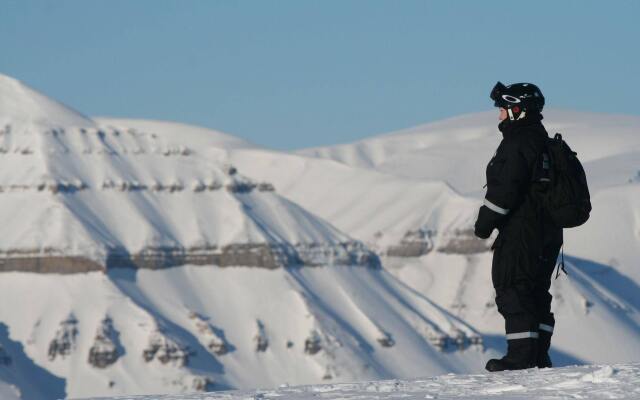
462 241
313 343
212 337
457 341
104 351
64 341
261 340
262 255
42 263
414 244
386 340
165 350
201 384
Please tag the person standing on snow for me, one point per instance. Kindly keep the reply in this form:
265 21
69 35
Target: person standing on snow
528 243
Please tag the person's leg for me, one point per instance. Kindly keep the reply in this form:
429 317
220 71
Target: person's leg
521 327
516 303
546 320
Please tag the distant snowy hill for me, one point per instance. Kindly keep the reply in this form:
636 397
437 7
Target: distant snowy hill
456 150
354 262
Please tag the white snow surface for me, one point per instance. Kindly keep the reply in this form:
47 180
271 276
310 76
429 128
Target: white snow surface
21 104
620 381
369 323
197 137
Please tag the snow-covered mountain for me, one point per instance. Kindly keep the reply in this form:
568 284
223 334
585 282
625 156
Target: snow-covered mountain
111 203
455 150
80 195
344 263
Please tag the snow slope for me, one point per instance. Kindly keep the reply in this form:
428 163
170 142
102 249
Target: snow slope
23 105
586 382
374 207
230 328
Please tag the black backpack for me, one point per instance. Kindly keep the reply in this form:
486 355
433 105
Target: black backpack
566 198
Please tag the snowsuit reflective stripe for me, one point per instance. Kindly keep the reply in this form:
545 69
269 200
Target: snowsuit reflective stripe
527 245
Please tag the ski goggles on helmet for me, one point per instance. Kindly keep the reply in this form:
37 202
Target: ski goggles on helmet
496 94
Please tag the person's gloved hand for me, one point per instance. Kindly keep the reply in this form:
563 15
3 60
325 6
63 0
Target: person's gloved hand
481 231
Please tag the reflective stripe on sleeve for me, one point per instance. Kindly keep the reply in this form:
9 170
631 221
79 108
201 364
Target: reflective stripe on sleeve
495 208
545 327
522 335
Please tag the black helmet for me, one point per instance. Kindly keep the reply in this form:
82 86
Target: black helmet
518 99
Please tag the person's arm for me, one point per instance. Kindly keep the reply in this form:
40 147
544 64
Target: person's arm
505 180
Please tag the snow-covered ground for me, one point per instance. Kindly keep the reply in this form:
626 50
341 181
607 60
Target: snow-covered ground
399 287
621 381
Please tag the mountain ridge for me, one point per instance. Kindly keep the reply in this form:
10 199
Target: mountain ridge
104 194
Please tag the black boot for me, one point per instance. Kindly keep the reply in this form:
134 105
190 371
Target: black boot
545 331
521 354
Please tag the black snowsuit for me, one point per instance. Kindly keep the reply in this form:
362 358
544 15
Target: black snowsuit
527 246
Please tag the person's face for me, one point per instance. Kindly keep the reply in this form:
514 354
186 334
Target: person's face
503 114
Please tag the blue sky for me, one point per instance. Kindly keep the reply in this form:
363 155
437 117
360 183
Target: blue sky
298 73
